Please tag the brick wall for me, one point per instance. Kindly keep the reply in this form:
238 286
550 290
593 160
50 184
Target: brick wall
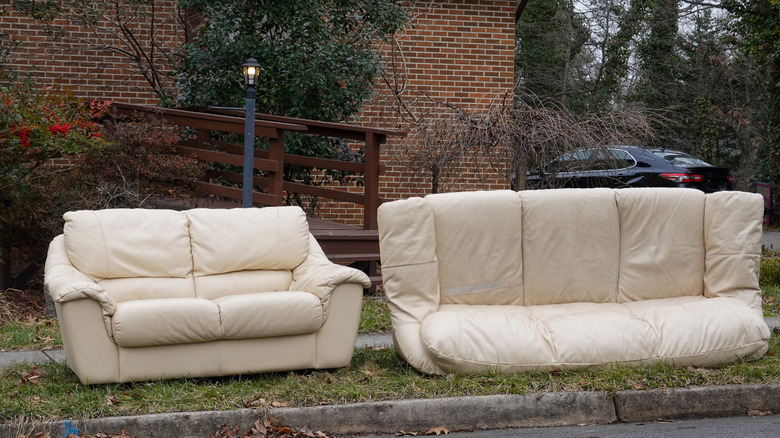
86 59
458 52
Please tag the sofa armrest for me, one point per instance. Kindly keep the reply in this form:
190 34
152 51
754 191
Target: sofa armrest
65 283
318 275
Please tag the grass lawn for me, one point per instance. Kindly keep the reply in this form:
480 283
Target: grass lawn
53 391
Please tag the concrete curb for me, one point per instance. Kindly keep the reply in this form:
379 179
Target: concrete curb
461 413
457 413
697 402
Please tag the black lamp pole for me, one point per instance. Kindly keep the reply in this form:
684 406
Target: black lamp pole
251 71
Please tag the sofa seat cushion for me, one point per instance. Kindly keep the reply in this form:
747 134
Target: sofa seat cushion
144 323
686 330
267 314
704 331
516 338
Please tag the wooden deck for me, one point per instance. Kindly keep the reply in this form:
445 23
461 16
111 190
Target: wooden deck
343 244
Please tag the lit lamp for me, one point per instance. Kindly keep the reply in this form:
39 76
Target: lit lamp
251 70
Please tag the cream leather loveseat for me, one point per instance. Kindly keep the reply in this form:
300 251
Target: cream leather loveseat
551 279
146 294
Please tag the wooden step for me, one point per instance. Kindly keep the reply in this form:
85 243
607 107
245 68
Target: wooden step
353 257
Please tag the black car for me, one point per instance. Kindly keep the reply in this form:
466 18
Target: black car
629 166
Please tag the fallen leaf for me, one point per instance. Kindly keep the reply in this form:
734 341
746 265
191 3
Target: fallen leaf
32 376
438 431
758 413
280 404
404 433
226 432
284 430
371 374
113 400
256 402
42 434
257 430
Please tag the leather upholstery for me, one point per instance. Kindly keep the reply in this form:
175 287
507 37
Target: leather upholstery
549 279
146 294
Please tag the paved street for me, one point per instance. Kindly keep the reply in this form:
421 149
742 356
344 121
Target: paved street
771 240
758 427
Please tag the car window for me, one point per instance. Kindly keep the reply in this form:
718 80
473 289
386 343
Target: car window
592 159
571 161
623 159
681 159
611 159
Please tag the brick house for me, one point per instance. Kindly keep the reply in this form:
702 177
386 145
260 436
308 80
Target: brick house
459 52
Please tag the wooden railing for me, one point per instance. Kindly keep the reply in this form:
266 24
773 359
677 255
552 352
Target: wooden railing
272 161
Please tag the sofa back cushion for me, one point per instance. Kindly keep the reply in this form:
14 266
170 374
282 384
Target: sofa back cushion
571 243
732 232
661 243
121 243
240 239
478 238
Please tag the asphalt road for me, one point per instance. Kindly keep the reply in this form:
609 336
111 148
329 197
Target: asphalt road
758 427
771 240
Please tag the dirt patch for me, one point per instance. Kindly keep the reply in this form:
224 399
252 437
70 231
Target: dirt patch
21 305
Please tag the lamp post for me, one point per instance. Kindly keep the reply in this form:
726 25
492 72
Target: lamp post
251 71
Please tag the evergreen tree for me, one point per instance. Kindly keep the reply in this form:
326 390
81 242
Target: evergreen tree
318 57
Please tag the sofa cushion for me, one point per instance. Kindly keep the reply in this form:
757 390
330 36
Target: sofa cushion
242 282
476 338
247 239
703 331
407 245
460 221
733 238
687 330
661 243
144 323
570 245
118 243
267 314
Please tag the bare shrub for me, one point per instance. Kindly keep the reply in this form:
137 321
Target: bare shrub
510 136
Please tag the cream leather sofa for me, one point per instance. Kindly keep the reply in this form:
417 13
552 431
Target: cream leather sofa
147 294
552 279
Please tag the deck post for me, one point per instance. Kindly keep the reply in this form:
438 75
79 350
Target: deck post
371 180
204 135
276 179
